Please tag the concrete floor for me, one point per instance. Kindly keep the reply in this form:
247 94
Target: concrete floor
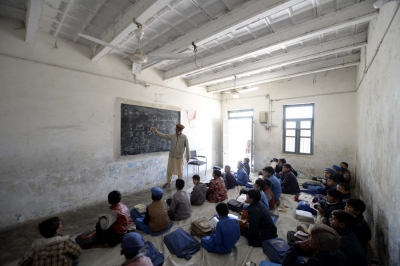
17 241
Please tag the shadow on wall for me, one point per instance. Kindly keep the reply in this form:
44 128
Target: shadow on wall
380 233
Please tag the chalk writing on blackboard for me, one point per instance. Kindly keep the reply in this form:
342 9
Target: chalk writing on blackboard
136 121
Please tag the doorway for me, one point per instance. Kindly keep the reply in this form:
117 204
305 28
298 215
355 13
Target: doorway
238 140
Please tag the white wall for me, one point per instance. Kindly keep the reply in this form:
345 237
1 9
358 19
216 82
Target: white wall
378 135
59 118
334 124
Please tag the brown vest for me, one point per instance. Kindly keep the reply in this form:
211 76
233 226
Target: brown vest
158 212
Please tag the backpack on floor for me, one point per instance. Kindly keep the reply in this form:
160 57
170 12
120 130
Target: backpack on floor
304 216
291 238
201 227
305 206
276 249
311 183
244 190
150 251
181 244
87 239
235 205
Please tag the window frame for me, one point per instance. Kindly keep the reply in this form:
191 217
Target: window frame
298 129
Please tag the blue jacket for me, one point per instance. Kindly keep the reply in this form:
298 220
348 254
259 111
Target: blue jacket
224 238
241 177
275 187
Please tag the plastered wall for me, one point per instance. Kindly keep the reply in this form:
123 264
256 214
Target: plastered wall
59 118
378 134
334 124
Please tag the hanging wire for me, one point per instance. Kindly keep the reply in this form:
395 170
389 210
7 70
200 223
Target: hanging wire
195 54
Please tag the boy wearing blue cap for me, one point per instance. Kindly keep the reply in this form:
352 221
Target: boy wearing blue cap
338 173
156 218
131 245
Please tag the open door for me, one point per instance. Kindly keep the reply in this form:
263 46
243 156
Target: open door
238 140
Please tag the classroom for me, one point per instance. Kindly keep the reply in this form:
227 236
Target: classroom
313 81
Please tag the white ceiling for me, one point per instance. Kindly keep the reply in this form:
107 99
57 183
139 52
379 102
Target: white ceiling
239 42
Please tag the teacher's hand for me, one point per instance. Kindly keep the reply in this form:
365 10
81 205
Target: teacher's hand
153 129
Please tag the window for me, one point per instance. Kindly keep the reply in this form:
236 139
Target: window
298 128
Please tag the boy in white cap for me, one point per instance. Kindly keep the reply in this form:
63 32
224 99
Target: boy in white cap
324 242
131 245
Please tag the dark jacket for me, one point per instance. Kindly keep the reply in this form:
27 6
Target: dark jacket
336 258
290 184
261 226
362 232
246 167
351 247
329 208
340 178
230 181
346 197
198 195
278 169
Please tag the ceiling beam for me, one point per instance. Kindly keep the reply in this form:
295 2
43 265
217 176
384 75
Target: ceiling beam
97 8
304 54
32 19
66 10
239 17
335 63
142 11
346 17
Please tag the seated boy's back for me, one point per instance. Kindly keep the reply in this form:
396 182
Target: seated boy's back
230 180
52 249
180 208
198 195
226 234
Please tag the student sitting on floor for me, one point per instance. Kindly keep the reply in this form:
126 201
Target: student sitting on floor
361 228
324 242
198 195
345 171
331 183
156 218
216 191
339 174
260 186
343 222
53 249
268 173
225 235
333 202
289 183
111 228
279 168
131 245
261 227
269 194
241 177
345 189
230 181
180 208
246 166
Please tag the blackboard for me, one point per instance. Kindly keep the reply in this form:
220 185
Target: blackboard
136 121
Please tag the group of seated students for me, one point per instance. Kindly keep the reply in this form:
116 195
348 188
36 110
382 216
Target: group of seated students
341 240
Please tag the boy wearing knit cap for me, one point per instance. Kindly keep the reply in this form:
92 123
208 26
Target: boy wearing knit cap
131 245
324 242
333 202
156 218
338 173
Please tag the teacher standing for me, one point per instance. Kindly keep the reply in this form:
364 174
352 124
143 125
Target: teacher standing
179 143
